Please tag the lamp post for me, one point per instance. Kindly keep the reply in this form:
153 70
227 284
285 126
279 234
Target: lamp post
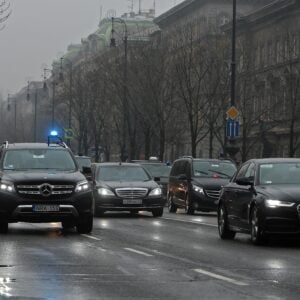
9 98
125 77
61 77
233 54
54 83
35 110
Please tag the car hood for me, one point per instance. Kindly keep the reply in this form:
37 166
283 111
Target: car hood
210 183
284 192
127 184
41 176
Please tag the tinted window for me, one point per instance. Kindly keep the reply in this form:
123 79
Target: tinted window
37 159
176 168
250 171
279 173
157 170
83 162
122 173
213 169
242 171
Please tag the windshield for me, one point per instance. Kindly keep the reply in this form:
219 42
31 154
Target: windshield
157 170
83 162
122 173
279 173
214 169
38 159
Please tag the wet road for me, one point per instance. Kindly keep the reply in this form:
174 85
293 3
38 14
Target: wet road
140 257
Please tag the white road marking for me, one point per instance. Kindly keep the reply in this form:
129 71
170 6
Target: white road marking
124 271
193 222
138 252
91 237
220 277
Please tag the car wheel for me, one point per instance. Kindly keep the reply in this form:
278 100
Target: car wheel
158 212
171 206
134 212
3 227
257 236
67 225
98 212
224 232
189 206
85 226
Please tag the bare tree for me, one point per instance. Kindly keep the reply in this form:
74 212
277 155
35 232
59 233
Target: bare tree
5 12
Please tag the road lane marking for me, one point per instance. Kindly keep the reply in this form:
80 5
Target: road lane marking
220 277
138 252
124 271
193 222
91 237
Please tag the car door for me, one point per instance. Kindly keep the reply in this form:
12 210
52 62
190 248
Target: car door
230 196
182 183
243 198
174 182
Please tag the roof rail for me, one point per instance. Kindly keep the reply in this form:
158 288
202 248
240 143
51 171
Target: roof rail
187 156
5 144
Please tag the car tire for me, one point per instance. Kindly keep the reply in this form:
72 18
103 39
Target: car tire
134 212
98 212
189 206
171 206
67 225
158 212
257 235
85 226
3 227
224 232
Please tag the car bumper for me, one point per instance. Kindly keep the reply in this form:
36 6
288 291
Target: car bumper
114 203
203 202
281 221
13 208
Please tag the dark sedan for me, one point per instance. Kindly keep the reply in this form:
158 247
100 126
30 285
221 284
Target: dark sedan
126 187
262 199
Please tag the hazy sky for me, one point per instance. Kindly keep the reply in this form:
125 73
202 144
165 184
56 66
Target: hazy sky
39 31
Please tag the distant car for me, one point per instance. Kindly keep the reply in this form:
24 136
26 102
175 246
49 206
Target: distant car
125 187
83 161
195 184
160 170
262 199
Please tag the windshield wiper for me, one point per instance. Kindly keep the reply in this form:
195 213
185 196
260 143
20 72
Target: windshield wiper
221 173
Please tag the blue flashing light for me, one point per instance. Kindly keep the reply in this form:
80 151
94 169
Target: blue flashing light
54 133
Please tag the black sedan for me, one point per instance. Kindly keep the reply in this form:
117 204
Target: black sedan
262 199
126 187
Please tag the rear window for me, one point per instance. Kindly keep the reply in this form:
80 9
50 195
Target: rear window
213 169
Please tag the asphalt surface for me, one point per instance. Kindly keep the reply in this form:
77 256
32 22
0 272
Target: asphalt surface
141 257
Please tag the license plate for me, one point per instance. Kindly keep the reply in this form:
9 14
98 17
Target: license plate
132 201
45 208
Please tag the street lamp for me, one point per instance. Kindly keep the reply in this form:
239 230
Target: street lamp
54 83
9 98
125 77
35 109
61 77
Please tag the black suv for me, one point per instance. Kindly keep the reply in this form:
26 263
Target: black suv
42 183
195 184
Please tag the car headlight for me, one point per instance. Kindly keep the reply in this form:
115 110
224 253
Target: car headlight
7 187
277 203
82 186
105 192
198 189
155 192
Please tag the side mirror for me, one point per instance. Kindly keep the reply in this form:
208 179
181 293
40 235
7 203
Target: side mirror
87 172
245 181
156 179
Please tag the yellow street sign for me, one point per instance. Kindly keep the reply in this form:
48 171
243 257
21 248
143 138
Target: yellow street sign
232 113
69 133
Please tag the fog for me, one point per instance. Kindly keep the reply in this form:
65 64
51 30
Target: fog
39 31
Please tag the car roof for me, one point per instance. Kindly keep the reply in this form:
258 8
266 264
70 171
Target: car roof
82 156
126 164
33 146
206 159
273 160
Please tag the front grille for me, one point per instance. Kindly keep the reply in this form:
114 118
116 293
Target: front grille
131 192
56 189
213 193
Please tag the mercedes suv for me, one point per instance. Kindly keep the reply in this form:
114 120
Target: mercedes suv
42 183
